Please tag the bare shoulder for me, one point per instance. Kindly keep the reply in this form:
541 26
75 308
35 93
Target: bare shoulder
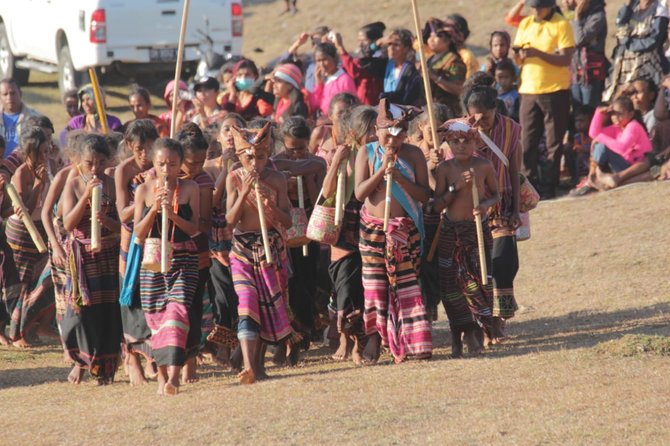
189 186
482 163
275 178
412 152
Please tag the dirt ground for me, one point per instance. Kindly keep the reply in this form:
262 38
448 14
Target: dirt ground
594 273
593 289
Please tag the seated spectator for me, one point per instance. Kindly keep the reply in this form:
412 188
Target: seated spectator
330 79
643 93
617 147
578 148
139 100
505 75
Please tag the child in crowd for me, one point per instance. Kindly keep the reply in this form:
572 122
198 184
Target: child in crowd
505 76
577 159
499 46
467 301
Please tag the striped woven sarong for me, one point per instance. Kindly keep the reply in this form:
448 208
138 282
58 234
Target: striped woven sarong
35 298
9 281
466 300
59 274
165 301
262 287
393 305
93 317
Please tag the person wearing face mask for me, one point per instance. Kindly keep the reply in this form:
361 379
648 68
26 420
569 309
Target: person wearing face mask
244 95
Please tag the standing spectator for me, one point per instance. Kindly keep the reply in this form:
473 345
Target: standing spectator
544 48
184 103
287 89
89 120
643 30
402 81
330 78
71 103
368 69
500 45
205 108
139 100
14 113
589 64
318 35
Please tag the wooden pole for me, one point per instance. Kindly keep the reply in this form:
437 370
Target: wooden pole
164 235
301 205
480 231
264 226
17 202
96 230
97 92
436 242
177 71
426 77
339 193
389 197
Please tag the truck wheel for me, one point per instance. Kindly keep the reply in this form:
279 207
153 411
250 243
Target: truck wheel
68 77
7 60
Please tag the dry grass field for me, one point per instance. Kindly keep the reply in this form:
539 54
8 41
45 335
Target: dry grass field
587 361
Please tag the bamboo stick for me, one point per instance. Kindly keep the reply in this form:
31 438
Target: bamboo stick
340 192
102 115
17 202
96 230
389 197
480 231
164 235
426 78
301 205
177 71
264 226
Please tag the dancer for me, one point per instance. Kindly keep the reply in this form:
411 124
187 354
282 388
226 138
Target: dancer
395 315
166 298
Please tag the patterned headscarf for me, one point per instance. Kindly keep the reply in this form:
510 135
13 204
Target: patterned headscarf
249 140
395 117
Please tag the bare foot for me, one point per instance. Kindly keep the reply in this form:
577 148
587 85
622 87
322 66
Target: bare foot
279 358
22 343
76 374
170 389
246 376
189 374
150 369
342 354
372 350
474 346
135 372
356 351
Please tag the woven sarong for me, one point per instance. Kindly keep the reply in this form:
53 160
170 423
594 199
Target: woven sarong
393 305
261 287
466 300
35 297
165 301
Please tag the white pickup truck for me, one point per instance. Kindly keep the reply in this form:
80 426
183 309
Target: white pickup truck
131 37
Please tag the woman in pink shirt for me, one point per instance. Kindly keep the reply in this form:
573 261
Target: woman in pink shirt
330 79
616 147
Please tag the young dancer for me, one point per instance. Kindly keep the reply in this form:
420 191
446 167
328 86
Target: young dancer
395 315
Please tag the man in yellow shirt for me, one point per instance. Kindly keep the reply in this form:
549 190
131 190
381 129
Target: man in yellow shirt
543 48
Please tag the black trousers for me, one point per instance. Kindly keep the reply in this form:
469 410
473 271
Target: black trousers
549 115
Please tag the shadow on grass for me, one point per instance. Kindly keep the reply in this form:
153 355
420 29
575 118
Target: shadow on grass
32 377
582 329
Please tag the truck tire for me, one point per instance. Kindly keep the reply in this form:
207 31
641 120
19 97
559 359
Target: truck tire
68 77
7 60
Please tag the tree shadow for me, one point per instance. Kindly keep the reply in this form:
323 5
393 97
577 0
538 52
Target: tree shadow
582 329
